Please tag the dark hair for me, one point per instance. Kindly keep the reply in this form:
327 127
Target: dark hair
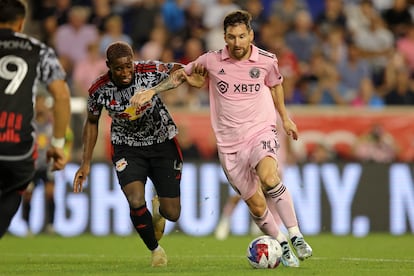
236 18
118 49
11 10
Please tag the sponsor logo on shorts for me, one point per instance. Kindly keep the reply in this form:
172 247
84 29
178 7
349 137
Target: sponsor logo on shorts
120 165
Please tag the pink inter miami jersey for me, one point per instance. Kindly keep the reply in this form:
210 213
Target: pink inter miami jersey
241 104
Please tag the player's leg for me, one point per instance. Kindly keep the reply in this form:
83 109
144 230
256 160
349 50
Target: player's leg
237 168
277 193
132 170
9 204
223 227
50 206
26 205
14 178
268 225
166 169
140 215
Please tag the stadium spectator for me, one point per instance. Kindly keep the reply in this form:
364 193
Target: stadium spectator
376 44
405 46
212 16
301 39
367 95
334 46
72 39
86 70
143 143
37 63
353 70
143 13
287 10
359 14
322 153
398 17
330 18
401 91
288 67
376 145
327 88
113 31
194 26
247 138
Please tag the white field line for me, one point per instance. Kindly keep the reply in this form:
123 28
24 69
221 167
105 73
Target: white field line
349 259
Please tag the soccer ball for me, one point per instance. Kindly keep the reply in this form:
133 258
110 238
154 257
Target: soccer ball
264 252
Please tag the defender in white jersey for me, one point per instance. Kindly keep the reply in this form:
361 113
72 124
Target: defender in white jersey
245 89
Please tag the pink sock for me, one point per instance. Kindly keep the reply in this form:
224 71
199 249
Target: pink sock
272 208
267 223
284 205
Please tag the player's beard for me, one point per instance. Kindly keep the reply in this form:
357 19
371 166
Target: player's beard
239 52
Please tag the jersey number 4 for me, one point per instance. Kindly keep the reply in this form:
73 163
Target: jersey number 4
13 68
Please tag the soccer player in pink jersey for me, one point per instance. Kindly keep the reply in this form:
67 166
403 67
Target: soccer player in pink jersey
245 90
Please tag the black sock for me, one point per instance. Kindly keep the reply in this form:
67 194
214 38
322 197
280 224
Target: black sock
26 211
9 204
142 220
50 204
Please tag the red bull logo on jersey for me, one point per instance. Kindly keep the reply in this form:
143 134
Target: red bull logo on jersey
132 113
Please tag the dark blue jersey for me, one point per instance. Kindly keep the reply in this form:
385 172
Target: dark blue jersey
24 63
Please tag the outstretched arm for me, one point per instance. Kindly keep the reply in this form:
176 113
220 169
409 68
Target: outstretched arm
196 79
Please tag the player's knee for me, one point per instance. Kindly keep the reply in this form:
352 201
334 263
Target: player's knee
172 213
269 181
135 201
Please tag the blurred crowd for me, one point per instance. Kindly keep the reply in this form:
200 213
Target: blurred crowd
330 52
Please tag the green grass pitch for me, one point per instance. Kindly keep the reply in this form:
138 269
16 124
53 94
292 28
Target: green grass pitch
376 254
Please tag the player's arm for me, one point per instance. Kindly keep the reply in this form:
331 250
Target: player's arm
278 96
61 117
175 79
89 138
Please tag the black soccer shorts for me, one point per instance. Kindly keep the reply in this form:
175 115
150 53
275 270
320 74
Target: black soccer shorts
162 163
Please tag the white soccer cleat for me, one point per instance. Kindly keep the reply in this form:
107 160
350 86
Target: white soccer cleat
302 248
159 258
288 258
157 220
223 229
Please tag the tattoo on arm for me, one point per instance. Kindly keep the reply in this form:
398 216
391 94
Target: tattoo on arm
173 81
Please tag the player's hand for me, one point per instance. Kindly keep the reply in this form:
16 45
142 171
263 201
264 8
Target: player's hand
197 77
141 97
58 158
291 129
80 178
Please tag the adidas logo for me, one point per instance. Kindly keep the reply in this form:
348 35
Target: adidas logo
221 72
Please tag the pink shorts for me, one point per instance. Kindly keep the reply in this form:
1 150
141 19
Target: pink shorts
239 167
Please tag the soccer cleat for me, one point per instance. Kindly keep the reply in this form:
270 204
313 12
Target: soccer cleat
50 230
159 258
223 229
157 220
288 258
302 248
